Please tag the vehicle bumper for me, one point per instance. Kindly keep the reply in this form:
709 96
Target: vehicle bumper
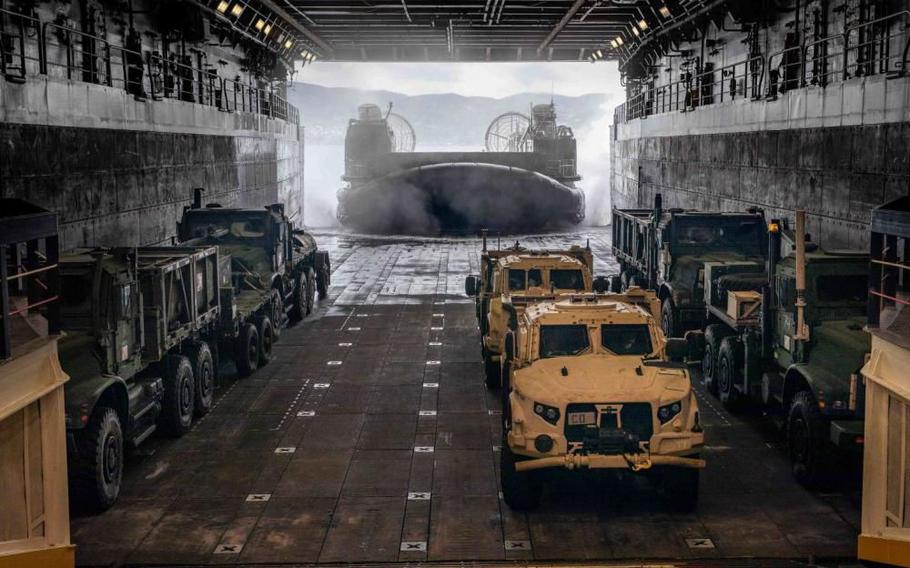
848 435
634 462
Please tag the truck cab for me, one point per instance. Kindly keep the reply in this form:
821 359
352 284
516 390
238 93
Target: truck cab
666 251
592 382
512 279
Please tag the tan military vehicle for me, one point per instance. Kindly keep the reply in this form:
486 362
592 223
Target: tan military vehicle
589 381
513 278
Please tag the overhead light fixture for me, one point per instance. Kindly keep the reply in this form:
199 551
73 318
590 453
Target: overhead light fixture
614 44
260 24
237 10
664 11
267 29
635 31
312 57
223 6
599 54
288 44
643 24
619 40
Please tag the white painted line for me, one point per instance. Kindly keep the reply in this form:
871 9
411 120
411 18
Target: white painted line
439 315
353 329
500 494
439 303
427 413
285 450
334 363
423 449
436 328
517 545
258 497
227 548
345 344
699 543
419 496
363 315
431 385
496 448
306 413
434 362
435 343
321 385
413 546
494 412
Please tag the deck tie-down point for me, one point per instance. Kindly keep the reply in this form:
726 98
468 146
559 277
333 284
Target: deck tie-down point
413 546
517 545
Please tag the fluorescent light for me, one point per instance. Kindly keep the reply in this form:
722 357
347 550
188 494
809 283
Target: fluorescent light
635 31
664 11
237 10
619 40
599 54
260 24
643 24
288 44
267 29
223 6
614 44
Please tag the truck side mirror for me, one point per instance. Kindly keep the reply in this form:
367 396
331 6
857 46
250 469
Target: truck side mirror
677 348
601 284
696 343
471 285
510 347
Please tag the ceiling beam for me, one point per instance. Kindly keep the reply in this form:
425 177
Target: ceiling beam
309 34
562 24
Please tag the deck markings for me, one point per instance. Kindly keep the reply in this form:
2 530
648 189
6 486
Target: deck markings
228 548
321 385
413 546
435 343
423 449
699 543
517 545
426 413
436 328
290 408
258 497
419 496
345 344
353 329
431 385
306 414
285 450
434 362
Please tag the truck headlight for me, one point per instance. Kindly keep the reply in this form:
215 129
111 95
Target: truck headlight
548 413
668 411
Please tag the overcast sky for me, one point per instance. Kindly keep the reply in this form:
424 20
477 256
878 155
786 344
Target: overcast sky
470 79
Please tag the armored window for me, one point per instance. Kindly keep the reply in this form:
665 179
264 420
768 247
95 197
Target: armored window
626 339
842 288
517 279
535 278
563 340
567 279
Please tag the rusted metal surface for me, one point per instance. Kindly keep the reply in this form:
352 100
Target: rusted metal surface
360 449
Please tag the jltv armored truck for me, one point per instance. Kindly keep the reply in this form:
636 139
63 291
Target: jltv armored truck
665 251
514 278
141 330
790 333
589 381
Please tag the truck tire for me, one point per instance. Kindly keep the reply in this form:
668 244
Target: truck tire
807 442
520 490
311 290
266 339
177 406
679 488
729 375
714 333
96 472
298 308
669 318
324 278
492 372
246 354
204 374
277 313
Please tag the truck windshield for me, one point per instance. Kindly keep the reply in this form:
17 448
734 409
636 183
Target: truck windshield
842 288
741 235
567 279
228 227
563 340
517 279
626 339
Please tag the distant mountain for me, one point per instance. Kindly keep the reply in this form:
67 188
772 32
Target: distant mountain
438 120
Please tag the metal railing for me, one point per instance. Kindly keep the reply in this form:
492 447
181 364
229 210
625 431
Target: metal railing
30 47
881 46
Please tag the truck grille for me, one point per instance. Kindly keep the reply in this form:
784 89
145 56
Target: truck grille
609 433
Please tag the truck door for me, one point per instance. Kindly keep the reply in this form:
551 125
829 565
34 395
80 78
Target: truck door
127 327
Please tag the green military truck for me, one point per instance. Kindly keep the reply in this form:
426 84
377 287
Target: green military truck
513 278
274 268
790 334
665 251
141 331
